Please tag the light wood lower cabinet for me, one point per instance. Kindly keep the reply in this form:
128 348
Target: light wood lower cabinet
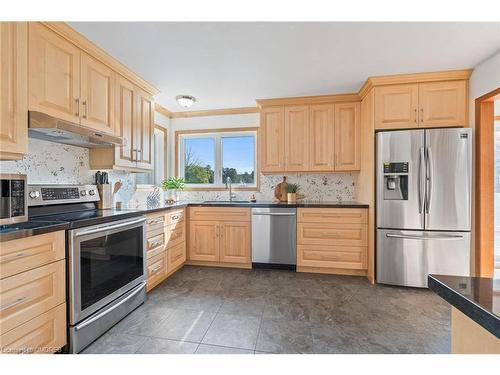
41 335
332 240
13 90
165 244
223 237
33 294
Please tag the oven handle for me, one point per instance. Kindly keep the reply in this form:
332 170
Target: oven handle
85 323
110 227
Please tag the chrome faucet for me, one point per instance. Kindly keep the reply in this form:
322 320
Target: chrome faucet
229 184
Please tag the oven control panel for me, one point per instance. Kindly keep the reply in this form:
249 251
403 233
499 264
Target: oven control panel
40 195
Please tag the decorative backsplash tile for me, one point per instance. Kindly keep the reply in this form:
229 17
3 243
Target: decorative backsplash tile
314 187
56 163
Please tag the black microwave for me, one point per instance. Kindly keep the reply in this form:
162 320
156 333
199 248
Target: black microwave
13 198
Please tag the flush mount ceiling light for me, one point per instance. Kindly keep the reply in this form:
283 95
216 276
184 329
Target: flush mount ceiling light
185 101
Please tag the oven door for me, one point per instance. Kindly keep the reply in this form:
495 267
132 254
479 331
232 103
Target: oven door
105 261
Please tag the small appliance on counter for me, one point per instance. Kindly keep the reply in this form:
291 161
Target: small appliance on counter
13 198
106 255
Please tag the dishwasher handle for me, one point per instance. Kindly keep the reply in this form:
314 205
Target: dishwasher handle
273 213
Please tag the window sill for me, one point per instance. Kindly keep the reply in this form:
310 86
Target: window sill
249 188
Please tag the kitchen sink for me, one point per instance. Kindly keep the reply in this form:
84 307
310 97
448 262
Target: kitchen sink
226 202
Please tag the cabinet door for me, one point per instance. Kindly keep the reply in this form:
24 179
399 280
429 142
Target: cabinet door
296 138
97 95
54 74
144 128
442 104
321 140
235 242
271 142
396 106
13 90
347 137
204 241
124 121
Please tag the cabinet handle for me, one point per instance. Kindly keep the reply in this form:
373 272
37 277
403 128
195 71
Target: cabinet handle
15 303
156 269
415 115
84 104
421 115
13 257
156 221
77 105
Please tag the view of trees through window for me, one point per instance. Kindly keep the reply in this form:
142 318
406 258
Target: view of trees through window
237 159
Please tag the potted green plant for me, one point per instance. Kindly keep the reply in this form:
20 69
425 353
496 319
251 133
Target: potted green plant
175 185
291 191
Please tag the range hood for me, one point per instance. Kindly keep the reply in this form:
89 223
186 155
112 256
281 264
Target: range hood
48 128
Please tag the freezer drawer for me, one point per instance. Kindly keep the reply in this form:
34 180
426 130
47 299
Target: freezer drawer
407 257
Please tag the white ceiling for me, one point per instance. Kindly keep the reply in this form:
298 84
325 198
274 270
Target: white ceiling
227 65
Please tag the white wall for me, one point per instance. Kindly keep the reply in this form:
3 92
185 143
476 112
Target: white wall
484 79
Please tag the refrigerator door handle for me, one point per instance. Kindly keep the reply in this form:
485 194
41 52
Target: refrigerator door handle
425 238
428 179
421 157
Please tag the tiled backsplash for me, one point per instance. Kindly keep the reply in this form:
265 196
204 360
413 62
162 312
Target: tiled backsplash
54 163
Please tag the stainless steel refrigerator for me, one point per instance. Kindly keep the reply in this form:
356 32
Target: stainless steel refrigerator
423 204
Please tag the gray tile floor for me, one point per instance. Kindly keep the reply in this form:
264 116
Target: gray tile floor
214 310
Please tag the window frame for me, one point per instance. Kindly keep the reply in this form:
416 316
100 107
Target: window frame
144 187
217 135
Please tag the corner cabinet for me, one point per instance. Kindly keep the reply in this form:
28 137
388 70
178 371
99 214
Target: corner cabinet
310 138
421 105
134 122
13 90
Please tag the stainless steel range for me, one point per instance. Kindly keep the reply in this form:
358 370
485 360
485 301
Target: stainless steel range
106 258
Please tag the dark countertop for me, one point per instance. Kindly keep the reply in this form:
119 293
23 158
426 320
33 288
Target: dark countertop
30 228
258 204
476 297
39 226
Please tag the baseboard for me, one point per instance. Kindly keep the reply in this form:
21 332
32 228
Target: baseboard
332 271
218 264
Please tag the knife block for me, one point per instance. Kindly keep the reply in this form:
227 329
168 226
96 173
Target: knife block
106 195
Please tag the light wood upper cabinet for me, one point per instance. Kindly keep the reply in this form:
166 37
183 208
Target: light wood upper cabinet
296 138
321 137
144 129
271 144
13 90
347 136
442 104
204 241
396 106
235 242
97 89
421 105
125 110
54 74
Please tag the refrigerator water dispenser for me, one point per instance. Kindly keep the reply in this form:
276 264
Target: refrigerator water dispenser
395 181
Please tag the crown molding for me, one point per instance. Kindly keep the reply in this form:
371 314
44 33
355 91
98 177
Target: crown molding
74 37
162 110
318 99
215 112
396 79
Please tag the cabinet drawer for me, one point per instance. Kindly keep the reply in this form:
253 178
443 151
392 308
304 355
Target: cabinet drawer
31 293
175 234
332 234
27 253
44 334
157 268
219 214
176 256
326 256
332 215
174 216
155 244
155 222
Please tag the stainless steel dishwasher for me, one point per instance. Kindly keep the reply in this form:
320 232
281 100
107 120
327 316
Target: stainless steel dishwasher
274 237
